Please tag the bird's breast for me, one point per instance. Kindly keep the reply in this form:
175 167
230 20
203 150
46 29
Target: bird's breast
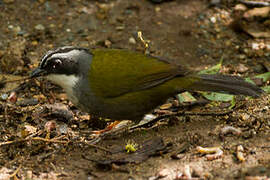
67 82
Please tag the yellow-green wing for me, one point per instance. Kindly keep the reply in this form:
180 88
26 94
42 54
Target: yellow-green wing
115 72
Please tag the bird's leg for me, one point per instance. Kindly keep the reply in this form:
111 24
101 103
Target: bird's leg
148 118
107 128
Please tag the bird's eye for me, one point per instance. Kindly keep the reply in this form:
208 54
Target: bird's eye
56 63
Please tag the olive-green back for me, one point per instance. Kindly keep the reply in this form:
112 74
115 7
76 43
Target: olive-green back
115 72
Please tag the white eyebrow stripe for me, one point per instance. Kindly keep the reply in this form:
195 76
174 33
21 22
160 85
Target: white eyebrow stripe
46 58
69 54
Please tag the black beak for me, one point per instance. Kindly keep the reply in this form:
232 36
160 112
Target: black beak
37 73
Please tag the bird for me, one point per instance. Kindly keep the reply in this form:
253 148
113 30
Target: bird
121 84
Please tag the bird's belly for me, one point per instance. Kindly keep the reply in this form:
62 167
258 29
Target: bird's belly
131 106
120 110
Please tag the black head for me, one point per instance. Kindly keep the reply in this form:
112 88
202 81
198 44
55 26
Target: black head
62 61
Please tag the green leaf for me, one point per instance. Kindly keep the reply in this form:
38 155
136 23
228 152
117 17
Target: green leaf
266 89
218 96
233 102
265 77
249 80
185 97
214 69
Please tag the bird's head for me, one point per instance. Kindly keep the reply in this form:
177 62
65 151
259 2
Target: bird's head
63 66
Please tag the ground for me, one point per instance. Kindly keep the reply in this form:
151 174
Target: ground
44 136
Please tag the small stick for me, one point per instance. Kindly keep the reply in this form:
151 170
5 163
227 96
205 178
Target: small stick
204 113
12 142
240 153
32 138
15 80
145 42
212 152
255 3
230 130
48 140
96 146
15 172
187 172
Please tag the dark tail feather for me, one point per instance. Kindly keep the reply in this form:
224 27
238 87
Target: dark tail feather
226 84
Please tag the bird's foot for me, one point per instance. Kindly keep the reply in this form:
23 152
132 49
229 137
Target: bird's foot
114 127
108 128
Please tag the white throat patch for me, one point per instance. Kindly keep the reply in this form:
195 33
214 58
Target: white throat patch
67 82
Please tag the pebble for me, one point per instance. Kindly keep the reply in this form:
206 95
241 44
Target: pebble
60 111
39 27
132 40
166 106
50 126
157 9
20 33
29 174
149 117
241 68
27 102
255 46
30 129
10 26
120 28
34 43
242 56
17 29
240 7
245 116
213 19
52 25
12 98
4 96
107 43
63 129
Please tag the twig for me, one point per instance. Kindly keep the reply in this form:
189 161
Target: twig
15 80
189 113
44 156
212 152
255 3
48 140
34 134
33 138
12 142
144 42
240 153
95 146
15 172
